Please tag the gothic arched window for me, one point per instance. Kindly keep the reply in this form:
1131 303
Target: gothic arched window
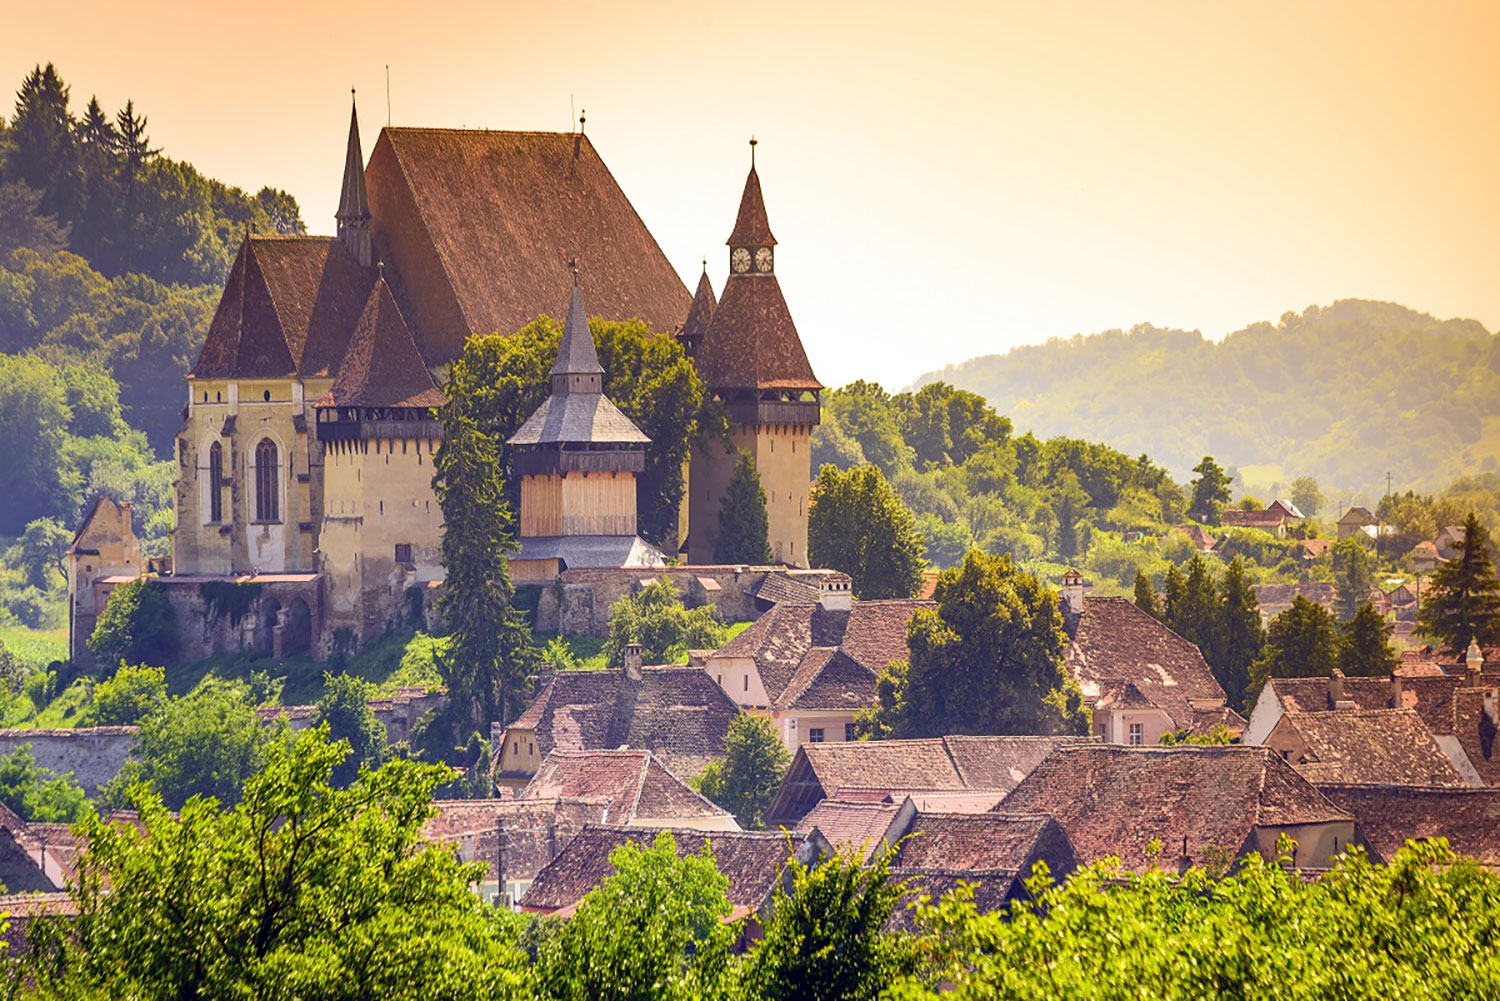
267 484
216 482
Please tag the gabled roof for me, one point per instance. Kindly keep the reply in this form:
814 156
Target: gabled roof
984 841
992 890
1357 515
828 678
1431 696
851 826
1267 519
872 633
1387 746
524 833
1114 800
751 861
678 713
479 225
1115 641
1278 597
381 367
1390 815
632 783
898 767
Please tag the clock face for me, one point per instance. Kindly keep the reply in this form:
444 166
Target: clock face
763 260
740 260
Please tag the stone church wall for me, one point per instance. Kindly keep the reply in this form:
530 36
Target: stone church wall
578 604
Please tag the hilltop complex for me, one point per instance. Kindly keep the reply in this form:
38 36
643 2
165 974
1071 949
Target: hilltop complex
304 461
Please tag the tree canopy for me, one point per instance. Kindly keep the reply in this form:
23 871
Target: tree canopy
656 618
745 781
858 525
744 526
1463 601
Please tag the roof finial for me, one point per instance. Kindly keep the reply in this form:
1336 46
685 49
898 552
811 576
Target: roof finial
752 150
380 266
573 267
705 265
583 116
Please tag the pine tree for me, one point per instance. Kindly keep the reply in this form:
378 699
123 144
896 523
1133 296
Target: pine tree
744 529
1303 642
1145 596
489 657
1352 576
1366 650
1241 637
132 142
1172 589
1463 603
43 153
1195 617
95 131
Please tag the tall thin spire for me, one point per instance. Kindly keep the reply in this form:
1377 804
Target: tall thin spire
354 204
751 228
577 369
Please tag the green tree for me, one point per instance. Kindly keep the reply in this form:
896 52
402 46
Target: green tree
1210 491
1302 642
656 618
1145 596
39 794
986 660
1172 593
1240 636
653 931
205 743
489 658
1352 576
1194 614
1463 600
42 547
866 413
138 625
39 480
826 937
744 528
944 543
345 708
24 224
1306 496
129 697
43 154
301 890
858 525
745 781
1366 650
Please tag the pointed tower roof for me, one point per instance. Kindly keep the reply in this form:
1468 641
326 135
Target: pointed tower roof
354 203
578 412
576 354
751 228
382 367
701 313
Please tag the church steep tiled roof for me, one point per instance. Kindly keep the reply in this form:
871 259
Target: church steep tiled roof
381 367
479 225
751 227
702 309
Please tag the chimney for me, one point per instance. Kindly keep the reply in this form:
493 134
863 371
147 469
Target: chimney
500 858
1336 699
633 661
1398 691
835 593
1072 592
1473 662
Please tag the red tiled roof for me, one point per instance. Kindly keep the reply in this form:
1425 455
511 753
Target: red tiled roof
1388 816
828 678
533 830
1116 641
851 826
751 228
1252 519
752 862
480 225
633 783
1114 800
381 367
1387 746
702 309
993 890
984 841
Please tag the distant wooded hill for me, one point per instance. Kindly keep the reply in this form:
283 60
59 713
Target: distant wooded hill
1343 393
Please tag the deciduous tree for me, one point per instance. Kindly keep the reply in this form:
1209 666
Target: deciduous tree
858 525
205 743
138 625
745 781
345 708
656 618
1210 491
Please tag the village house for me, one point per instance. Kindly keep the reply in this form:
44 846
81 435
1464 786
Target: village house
1177 807
810 667
1140 679
1379 746
1274 599
1390 815
754 863
1288 510
957 773
1197 536
677 713
1272 520
637 789
1424 558
1448 540
1354 521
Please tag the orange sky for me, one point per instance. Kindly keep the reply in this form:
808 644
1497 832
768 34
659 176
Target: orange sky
945 179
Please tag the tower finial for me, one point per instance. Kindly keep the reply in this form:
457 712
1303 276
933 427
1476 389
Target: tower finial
354 203
380 267
705 265
573 267
583 117
752 150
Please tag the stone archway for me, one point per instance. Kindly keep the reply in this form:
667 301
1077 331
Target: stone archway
296 628
265 632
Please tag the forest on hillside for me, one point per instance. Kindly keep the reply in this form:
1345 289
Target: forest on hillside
1342 393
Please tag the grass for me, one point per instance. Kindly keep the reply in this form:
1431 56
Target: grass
35 647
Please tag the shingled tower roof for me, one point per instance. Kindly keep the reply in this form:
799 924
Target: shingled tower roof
751 343
382 367
354 203
578 412
701 313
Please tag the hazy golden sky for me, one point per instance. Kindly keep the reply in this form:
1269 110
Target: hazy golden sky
946 179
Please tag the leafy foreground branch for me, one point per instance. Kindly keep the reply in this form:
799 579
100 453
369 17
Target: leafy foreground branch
307 890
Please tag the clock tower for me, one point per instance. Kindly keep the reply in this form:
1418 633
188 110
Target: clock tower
752 361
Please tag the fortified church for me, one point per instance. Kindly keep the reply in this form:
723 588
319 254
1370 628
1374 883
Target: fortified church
304 462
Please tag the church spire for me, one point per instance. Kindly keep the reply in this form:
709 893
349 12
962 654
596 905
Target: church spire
354 204
577 369
751 242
